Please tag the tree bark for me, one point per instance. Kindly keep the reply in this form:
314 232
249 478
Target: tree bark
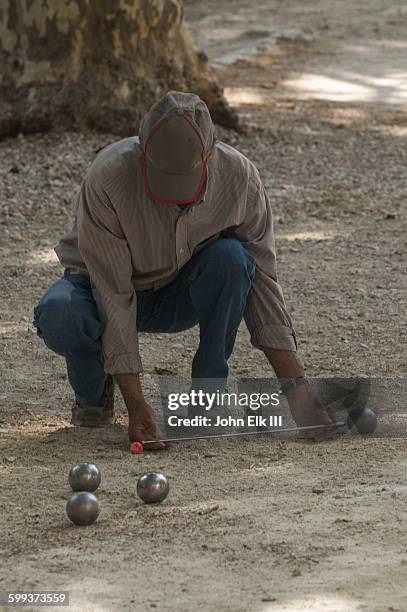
77 63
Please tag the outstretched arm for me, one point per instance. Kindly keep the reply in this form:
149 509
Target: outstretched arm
266 316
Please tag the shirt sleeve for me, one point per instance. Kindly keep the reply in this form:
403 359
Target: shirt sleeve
105 252
265 315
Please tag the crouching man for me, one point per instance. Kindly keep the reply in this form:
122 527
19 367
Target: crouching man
172 229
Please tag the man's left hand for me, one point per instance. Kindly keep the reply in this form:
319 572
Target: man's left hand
307 411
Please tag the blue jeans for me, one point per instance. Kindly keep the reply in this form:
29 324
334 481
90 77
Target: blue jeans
210 290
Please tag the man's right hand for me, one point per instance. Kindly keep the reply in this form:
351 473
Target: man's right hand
142 425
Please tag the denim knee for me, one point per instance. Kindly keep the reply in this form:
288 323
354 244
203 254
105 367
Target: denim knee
58 322
229 258
53 322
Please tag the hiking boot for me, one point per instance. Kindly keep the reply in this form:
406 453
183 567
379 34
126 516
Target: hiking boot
96 416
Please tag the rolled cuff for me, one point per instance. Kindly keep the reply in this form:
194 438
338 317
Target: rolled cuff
126 363
279 337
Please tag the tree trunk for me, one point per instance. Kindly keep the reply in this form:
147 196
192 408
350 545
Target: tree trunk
76 63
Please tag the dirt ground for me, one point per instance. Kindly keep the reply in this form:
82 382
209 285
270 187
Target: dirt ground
265 525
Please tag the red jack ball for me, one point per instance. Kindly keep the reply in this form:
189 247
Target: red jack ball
136 448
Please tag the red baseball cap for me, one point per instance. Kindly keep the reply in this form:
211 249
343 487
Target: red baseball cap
176 137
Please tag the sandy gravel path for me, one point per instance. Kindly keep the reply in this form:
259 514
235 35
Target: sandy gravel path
322 92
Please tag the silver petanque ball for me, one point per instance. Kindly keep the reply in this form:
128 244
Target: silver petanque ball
362 420
82 508
84 477
152 487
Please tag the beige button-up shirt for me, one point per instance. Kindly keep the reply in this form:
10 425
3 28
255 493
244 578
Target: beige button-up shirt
125 242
